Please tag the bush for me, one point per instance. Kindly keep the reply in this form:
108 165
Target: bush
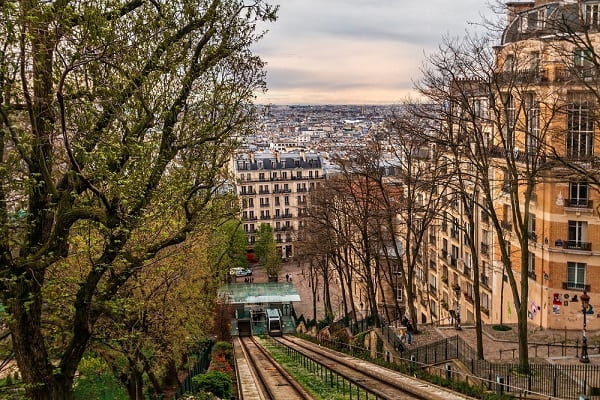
501 328
96 381
215 382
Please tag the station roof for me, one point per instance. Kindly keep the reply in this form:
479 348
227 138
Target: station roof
253 293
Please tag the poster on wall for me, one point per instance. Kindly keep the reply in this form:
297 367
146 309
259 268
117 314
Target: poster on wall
556 310
556 299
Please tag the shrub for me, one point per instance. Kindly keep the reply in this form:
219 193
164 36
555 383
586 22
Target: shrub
501 328
215 382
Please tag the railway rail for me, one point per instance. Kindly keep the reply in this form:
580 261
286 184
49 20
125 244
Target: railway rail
272 380
380 382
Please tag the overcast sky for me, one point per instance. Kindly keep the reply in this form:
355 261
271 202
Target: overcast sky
356 51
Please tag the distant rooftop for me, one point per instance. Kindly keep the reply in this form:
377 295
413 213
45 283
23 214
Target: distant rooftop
253 293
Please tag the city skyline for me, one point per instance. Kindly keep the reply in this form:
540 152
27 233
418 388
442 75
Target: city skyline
356 51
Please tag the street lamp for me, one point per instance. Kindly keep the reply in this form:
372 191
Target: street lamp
585 302
456 289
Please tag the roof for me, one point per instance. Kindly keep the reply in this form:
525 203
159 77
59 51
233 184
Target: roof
252 293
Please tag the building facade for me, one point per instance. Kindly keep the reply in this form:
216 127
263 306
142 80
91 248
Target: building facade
273 188
547 81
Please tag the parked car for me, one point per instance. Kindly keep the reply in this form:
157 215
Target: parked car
240 271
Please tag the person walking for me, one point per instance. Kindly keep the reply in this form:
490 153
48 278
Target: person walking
409 332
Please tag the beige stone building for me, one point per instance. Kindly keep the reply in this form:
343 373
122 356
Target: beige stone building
274 188
549 88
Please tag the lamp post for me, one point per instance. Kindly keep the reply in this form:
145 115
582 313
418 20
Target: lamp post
585 302
456 289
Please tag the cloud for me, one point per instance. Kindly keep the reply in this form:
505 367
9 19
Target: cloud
356 48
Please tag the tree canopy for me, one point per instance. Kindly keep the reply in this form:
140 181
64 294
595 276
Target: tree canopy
116 120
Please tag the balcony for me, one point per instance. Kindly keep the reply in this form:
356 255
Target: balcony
251 218
532 275
263 217
432 265
468 272
302 189
532 236
485 248
444 254
287 216
576 286
579 204
263 191
577 245
484 280
506 225
265 205
468 298
288 239
248 193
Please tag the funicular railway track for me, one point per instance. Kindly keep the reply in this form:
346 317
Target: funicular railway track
380 382
273 381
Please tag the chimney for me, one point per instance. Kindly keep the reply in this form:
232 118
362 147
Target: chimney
302 155
513 8
251 156
277 158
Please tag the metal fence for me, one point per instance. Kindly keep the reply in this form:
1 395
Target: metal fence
199 368
562 381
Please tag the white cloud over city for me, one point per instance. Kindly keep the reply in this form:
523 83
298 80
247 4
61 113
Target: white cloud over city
356 51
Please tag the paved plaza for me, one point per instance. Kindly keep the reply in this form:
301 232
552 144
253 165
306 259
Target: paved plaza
498 346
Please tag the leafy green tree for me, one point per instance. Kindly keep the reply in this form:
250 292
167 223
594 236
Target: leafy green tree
266 250
227 249
116 120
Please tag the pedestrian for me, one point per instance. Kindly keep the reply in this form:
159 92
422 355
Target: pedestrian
287 277
290 277
404 321
409 332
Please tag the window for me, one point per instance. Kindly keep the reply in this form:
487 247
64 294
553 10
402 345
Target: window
485 302
454 256
592 14
575 275
286 200
261 176
509 62
480 108
532 234
299 174
580 127
531 266
532 108
578 194
582 58
250 202
508 136
577 234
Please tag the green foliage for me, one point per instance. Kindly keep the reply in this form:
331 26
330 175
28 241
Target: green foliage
501 328
215 382
97 382
227 247
266 250
106 228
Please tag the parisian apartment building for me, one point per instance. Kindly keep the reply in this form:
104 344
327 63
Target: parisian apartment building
274 187
550 76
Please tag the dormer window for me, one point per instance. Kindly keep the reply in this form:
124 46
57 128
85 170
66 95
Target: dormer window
592 14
